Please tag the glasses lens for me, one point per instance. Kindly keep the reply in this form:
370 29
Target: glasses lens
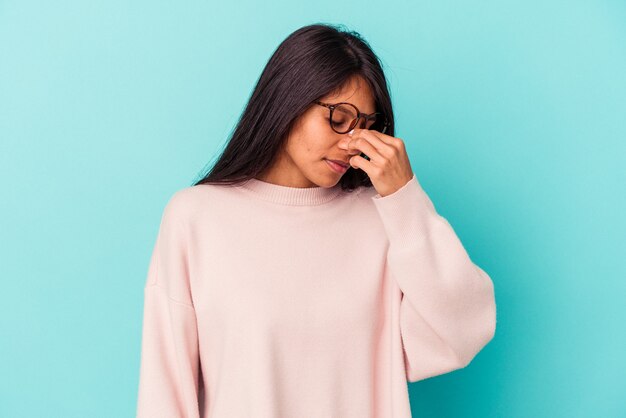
343 118
377 123
345 114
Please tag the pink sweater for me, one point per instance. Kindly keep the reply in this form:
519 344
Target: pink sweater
267 301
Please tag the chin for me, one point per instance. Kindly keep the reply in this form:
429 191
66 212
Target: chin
326 178
328 181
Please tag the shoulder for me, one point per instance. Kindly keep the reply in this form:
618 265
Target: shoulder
187 203
184 199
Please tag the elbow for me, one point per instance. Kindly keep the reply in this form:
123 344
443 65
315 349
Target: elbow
483 334
455 347
480 329
490 317
484 328
450 357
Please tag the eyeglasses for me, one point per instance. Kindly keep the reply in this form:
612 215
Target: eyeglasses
345 116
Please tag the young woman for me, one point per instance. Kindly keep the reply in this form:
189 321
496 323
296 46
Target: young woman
308 274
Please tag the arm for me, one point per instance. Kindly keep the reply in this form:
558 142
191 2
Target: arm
169 382
447 310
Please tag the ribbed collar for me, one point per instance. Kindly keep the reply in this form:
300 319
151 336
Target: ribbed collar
293 196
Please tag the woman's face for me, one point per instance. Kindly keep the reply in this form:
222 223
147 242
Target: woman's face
313 141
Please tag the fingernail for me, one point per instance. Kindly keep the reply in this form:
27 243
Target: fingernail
351 132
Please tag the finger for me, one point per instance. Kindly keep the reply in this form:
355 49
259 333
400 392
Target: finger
382 146
359 162
363 145
387 139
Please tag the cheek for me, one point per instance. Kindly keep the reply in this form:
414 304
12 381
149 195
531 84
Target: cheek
305 149
314 141
315 144
312 149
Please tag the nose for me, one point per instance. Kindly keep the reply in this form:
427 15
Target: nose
343 144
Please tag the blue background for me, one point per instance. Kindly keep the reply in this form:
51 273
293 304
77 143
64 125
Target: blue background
513 113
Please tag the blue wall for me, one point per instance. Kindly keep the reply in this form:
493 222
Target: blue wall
513 113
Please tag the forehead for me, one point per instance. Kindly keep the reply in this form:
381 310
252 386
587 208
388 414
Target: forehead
356 91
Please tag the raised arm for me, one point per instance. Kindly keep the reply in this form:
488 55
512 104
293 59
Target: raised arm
447 311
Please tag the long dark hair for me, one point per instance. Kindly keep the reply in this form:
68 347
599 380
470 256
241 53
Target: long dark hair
310 63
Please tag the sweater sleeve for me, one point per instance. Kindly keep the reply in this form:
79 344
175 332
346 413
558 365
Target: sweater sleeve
447 308
169 381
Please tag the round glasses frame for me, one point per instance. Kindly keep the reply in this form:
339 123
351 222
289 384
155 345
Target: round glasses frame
355 121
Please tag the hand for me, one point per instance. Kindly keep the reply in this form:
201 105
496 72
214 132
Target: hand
388 167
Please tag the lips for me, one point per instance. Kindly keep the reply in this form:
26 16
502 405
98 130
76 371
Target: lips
341 163
337 166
